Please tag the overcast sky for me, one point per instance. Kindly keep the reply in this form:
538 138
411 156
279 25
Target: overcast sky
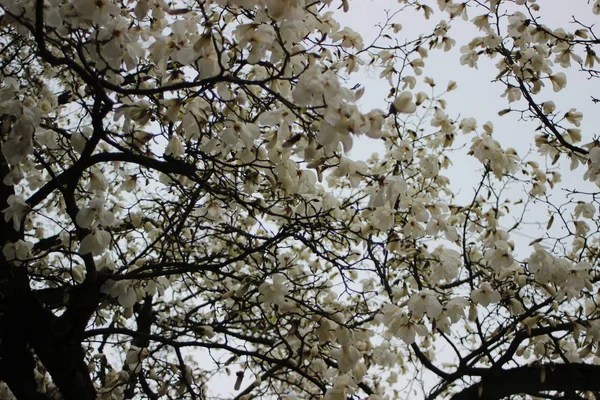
477 96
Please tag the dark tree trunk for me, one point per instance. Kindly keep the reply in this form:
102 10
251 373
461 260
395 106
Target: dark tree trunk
27 327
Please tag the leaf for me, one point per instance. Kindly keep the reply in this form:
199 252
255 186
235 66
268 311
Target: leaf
550 222
535 241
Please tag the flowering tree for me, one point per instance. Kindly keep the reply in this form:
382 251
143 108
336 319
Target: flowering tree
180 209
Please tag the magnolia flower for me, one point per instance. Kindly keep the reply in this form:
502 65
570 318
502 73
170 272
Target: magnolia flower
417 66
420 98
274 293
343 388
259 37
469 57
559 81
79 140
578 278
325 332
175 147
20 141
593 164
441 120
95 208
285 10
485 295
98 182
574 117
16 210
349 38
403 103
384 217
587 210
135 355
455 308
500 257
375 119
413 229
17 251
234 132
581 228
482 22
542 264
95 242
404 151
400 324
447 268
430 166
425 303
346 357
512 94
548 107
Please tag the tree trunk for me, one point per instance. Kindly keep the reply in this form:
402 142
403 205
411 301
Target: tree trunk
27 327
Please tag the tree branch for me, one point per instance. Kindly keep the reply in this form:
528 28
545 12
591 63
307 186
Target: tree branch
534 379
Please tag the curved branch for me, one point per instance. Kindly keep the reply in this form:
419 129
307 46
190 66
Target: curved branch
534 379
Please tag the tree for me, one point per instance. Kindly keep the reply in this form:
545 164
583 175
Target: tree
180 209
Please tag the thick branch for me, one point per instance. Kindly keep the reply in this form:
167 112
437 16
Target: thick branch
534 379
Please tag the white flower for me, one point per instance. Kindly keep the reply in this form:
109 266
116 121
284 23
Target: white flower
384 217
587 210
95 208
20 141
349 38
442 121
376 119
95 242
128 297
205 331
469 57
485 295
448 266
175 147
234 132
288 10
79 140
325 331
17 251
98 182
274 293
400 324
413 229
343 388
548 107
593 164
425 302
559 81
455 308
581 228
403 103
468 125
500 257
16 210
346 357
542 264
430 166
574 117
134 357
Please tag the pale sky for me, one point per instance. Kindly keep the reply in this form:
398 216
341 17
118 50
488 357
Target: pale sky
477 96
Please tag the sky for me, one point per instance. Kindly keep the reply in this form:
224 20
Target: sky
477 96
